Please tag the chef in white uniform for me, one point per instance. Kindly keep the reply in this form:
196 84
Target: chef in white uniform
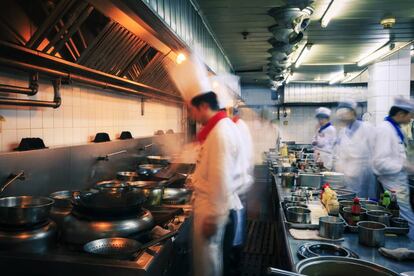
324 139
217 167
353 151
390 160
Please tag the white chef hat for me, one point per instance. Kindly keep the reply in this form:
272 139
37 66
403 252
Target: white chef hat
190 78
323 112
225 96
404 103
350 104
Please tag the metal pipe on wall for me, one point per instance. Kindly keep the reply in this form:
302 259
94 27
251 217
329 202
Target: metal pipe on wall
77 78
31 90
57 100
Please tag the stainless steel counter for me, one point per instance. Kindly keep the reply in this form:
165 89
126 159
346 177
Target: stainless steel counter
350 240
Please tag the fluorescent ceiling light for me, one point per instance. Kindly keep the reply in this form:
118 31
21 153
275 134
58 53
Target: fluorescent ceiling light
380 53
305 51
333 7
337 78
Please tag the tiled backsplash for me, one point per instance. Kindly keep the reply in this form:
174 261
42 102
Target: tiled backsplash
320 93
84 112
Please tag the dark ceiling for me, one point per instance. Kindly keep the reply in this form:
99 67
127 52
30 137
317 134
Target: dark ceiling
352 33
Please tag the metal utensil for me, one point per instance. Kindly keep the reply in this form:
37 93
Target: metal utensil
24 210
399 222
331 227
121 248
371 233
298 215
380 216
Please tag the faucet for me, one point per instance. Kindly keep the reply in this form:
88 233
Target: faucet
106 157
12 177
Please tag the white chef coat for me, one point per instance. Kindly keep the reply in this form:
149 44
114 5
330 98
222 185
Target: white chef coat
325 141
215 182
353 157
248 156
388 164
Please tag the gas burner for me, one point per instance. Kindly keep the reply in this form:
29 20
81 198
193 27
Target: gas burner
34 239
80 230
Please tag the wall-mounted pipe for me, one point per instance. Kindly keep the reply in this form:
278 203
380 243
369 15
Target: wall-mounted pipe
31 90
57 100
78 78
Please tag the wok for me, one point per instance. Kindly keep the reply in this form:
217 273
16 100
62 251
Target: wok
24 210
149 169
121 248
159 160
109 203
152 190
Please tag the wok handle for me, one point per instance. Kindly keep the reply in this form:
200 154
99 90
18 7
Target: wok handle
276 271
154 242
11 179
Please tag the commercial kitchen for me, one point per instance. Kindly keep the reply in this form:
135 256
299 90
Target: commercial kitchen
107 108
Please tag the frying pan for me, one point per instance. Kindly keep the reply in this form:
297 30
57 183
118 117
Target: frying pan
108 203
121 248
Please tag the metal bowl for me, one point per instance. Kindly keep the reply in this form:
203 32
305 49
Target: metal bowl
127 176
327 249
371 233
341 266
24 210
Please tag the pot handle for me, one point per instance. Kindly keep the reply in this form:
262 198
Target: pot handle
276 271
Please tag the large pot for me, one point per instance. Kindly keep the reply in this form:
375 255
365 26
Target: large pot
127 176
331 227
62 206
371 233
380 216
24 210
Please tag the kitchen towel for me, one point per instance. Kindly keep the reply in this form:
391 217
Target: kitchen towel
299 234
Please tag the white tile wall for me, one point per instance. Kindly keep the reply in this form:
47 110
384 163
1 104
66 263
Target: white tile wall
301 125
323 93
387 79
84 112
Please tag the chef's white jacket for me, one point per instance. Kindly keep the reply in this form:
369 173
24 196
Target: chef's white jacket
218 171
325 141
248 156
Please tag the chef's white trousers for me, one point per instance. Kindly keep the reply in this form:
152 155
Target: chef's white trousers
207 253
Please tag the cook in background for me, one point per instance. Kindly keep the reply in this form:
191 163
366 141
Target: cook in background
325 137
390 159
353 151
216 167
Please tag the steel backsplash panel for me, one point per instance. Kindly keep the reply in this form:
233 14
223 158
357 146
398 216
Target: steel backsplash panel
76 167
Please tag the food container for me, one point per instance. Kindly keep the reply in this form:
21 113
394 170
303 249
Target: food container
310 180
331 227
298 215
371 233
345 203
288 180
379 216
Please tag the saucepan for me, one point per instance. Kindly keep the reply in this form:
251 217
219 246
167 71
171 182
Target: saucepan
121 248
331 227
380 216
24 210
298 215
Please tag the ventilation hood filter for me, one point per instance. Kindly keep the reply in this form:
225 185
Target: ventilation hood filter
287 17
288 36
283 47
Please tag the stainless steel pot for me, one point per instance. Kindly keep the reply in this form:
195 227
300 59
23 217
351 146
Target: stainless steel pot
63 199
288 179
327 249
295 204
24 210
331 227
298 215
345 203
149 169
112 186
374 207
176 195
127 176
347 213
159 160
371 233
380 216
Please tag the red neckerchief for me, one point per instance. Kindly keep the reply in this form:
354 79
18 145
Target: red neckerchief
235 119
211 123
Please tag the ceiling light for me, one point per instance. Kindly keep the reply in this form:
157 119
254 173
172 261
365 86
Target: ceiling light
380 53
180 58
337 78
333 7
305 51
